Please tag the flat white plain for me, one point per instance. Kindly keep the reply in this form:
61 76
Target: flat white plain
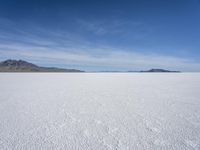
99 111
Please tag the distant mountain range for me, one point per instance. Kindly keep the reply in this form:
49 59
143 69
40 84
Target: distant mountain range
23 66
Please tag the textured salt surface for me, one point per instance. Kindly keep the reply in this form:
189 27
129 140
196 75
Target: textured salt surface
104 111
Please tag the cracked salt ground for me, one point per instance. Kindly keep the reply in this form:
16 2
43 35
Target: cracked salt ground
100 111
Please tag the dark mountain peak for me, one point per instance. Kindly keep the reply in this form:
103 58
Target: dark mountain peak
11 65
16 63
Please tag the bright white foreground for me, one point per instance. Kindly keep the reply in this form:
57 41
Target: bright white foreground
97 111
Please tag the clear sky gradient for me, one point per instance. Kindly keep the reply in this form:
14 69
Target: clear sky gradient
102 35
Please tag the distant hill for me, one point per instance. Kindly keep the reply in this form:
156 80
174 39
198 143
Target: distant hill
23 66
158 70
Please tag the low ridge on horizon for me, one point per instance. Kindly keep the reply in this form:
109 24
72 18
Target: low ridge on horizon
159 70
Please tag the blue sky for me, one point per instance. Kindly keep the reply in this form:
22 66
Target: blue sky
102 35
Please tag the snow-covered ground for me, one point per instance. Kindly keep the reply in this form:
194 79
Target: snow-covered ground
99 111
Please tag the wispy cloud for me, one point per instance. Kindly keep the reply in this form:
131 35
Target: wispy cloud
109 26
94 27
